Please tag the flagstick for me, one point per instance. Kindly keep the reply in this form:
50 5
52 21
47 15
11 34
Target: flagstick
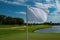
26 23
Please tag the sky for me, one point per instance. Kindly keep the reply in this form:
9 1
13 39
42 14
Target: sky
17 8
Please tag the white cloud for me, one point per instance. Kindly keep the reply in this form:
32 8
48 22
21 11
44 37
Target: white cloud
58 5
44 6
20 12
41 5
48 0
17 2
38 4
21 0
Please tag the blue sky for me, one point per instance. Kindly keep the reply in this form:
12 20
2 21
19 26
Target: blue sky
17 8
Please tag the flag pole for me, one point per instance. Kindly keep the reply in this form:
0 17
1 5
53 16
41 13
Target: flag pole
26 22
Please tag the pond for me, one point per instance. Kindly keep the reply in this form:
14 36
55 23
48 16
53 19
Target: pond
53 29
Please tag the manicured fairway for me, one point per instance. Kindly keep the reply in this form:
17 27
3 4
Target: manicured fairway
19 33
44 36
32 36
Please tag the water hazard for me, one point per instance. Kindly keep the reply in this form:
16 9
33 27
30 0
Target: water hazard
53 29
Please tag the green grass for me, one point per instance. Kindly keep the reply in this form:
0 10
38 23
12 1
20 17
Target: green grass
32 36
9 26
36 27
23 28
18 34
44 36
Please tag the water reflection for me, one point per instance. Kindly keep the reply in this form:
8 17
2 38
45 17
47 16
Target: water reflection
54 29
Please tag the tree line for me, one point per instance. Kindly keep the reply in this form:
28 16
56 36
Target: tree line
7 20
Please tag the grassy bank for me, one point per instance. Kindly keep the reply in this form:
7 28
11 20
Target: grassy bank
36 27
6 29
22 28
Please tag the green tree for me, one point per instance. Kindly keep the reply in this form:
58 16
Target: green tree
19 21
2 18
10 20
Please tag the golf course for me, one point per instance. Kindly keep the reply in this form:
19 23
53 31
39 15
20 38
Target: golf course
18 32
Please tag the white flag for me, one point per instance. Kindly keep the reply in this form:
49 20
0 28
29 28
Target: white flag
36 15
